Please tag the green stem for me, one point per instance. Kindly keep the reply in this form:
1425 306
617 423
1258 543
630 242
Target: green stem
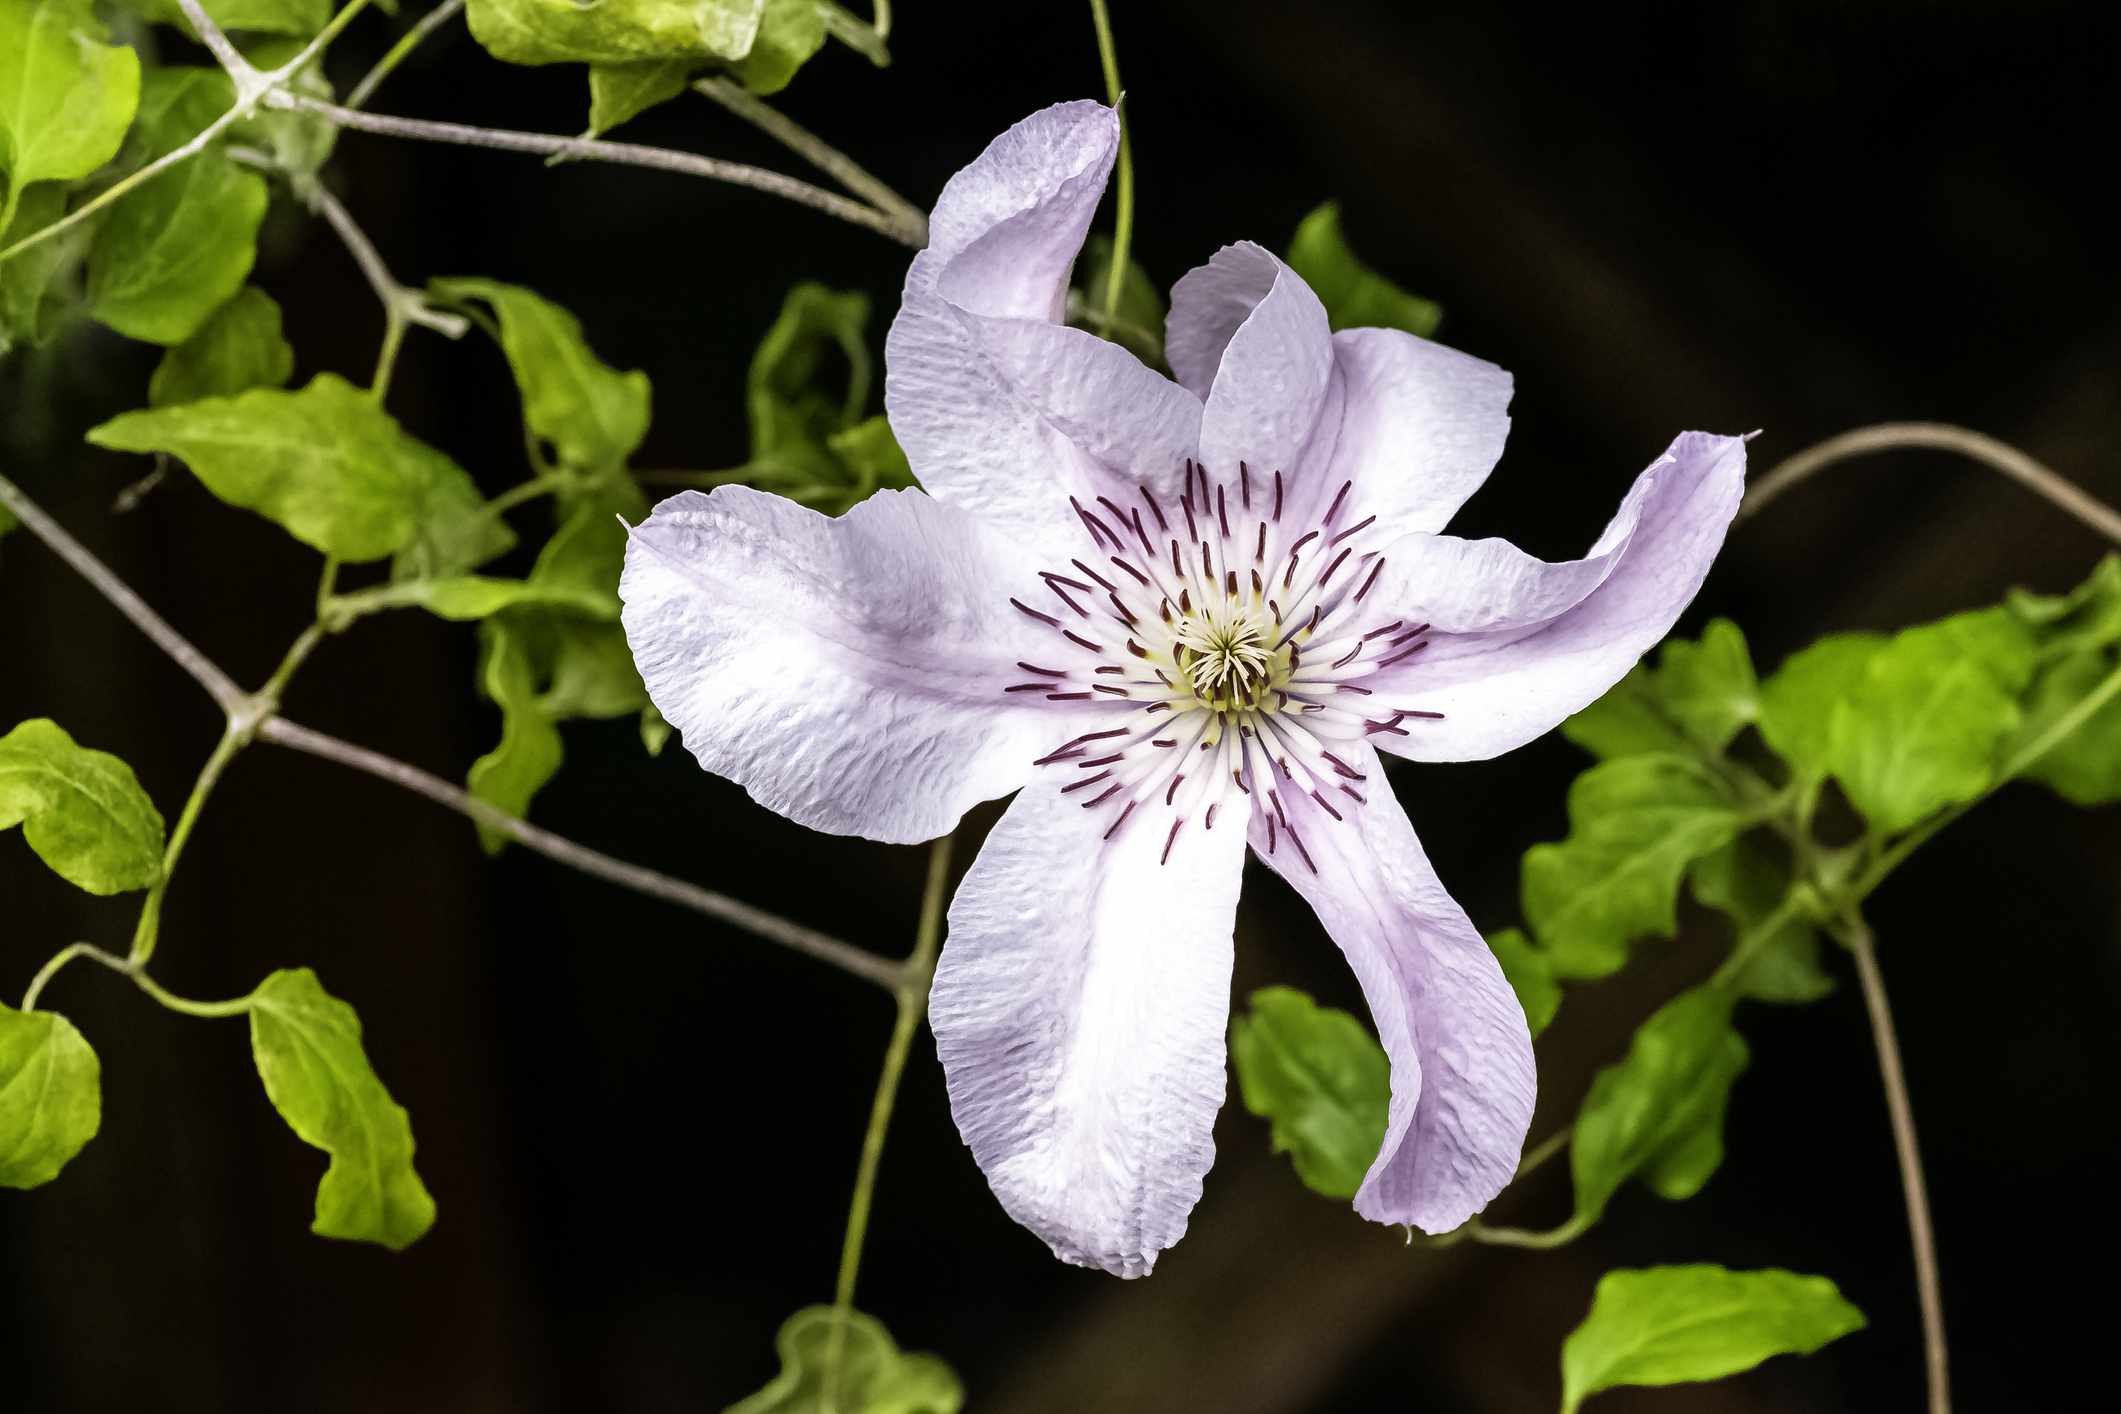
855 33
394 323
544 484
1521 1237
130 967
233 740
398 53
912 1007
1123 220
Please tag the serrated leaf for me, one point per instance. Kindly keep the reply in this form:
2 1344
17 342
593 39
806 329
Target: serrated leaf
2086 618
1634 826
592 415
616 31
790 32
1747 882
2085 766
82 811
873 1377
1924 725
1797 702
619 93
172 251
51 1093
324 461
1708 687
1659 1111
307 1045
35 288
66 97
1629 720
299 18
1700 695
1355 296
1676 1325
238 348
1320 1079
1530 973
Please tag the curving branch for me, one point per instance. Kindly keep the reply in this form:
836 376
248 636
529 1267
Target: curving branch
1998 456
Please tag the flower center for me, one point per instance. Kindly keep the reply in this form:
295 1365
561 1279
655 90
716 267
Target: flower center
1224 649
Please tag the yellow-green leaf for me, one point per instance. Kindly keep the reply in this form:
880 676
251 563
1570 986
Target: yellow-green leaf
1320 1079
1355 296
82 811
238 348
307 1045
51 1096
65 96
871 1376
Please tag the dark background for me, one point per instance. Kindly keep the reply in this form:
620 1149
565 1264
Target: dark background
642 1128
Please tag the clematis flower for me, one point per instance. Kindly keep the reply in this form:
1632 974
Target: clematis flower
1177 619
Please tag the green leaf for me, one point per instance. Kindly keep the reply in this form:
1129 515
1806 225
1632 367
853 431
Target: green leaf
239 348
2086 618
171 252
1797 702
325 461
1320 1079
655 731
1699 696
51 1092
457 531
1659 1111
619 93
1630 720
66 97
530 751
1355 296
616 31
1924 725
2085 766
307 1044
1675 1325
1709 687
790 32
299 18
874 1375
873 458
1748 882
789 390
592 415
1530 973
82 811
34 286
1634 825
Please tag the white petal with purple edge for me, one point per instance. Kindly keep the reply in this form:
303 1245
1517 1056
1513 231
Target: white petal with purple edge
1079 1010
1002 410
850 673
1517 644
1423 426
1463 1078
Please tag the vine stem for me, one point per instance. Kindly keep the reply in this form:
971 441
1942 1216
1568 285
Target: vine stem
219 685
129 967
413 38
1123 215
814 150
1857 935
912 989
756 921
250 716
625 153
1939 436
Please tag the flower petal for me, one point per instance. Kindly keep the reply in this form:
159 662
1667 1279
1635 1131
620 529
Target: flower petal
1463 1079
848 673
1001 409
1423 426
1079 1010
1519 644
1248 330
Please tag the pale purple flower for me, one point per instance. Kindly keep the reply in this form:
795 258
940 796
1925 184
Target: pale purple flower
1175 618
